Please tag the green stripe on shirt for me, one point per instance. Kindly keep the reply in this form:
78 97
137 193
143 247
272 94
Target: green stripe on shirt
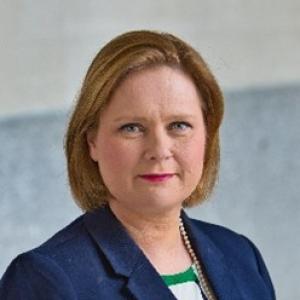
186 276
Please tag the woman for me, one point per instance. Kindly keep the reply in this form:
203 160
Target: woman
142 143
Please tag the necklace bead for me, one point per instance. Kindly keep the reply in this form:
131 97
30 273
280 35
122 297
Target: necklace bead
202 280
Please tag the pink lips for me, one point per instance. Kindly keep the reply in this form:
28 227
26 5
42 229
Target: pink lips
157 178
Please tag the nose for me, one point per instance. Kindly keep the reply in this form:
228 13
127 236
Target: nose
158 145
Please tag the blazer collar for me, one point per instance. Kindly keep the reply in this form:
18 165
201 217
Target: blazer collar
125 256
144 282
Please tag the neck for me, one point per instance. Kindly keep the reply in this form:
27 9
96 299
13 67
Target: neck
158 236
154 228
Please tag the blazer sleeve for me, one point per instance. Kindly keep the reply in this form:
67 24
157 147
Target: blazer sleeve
33 276
262 268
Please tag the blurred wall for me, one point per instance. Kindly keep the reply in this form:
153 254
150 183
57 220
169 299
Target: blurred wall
46 46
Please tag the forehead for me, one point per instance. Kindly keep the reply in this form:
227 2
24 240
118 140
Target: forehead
155 91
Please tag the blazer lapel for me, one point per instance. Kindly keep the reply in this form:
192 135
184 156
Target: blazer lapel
212 258
145 283
125 257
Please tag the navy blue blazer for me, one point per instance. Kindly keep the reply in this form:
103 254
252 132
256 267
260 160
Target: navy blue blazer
95 258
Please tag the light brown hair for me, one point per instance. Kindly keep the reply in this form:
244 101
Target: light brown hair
130 52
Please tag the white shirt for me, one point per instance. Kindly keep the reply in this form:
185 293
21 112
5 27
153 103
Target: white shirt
184 285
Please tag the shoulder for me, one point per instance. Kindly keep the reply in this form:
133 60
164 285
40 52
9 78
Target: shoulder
62 261
229 242
238 250
67 243
221 236
72 241
34 276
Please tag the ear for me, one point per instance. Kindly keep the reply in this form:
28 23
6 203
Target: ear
91 138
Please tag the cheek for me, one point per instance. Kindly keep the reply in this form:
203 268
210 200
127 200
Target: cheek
115 157
192 154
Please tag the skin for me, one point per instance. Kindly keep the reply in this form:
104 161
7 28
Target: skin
157 143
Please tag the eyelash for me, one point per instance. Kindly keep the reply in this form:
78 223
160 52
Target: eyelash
123 127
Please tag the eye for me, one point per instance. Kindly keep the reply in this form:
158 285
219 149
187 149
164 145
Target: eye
131 127
181 126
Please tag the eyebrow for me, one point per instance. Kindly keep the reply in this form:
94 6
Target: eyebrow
137 118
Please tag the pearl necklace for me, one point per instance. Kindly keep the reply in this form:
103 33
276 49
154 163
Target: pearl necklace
202 280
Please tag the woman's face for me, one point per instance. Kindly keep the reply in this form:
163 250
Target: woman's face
153 124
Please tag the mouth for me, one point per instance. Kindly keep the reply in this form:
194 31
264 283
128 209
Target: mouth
157 177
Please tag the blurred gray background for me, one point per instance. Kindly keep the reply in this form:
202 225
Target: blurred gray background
252 47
